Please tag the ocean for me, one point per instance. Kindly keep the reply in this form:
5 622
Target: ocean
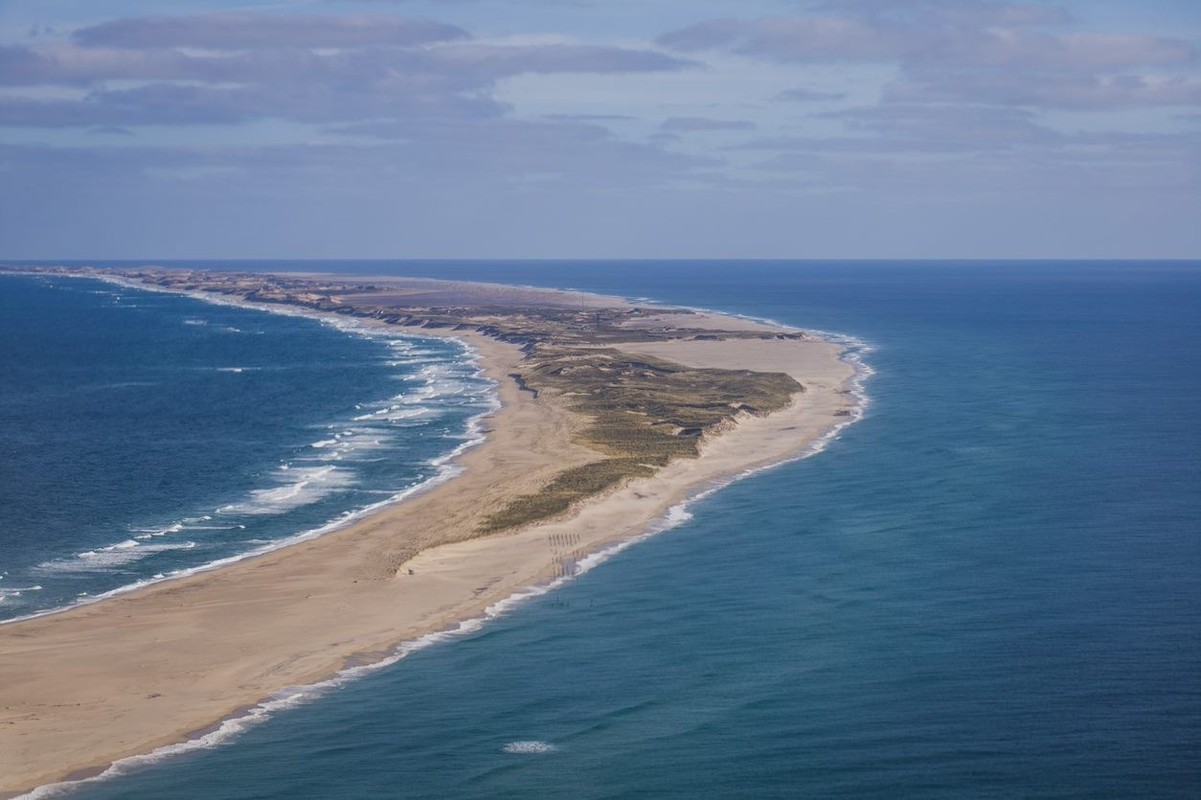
148 435
988 587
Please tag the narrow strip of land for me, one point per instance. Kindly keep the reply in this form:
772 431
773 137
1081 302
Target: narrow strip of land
611 415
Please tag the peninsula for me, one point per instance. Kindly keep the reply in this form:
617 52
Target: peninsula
611 414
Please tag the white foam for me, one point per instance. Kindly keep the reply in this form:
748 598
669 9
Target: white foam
17 591
126 385
186 524
677 515
150 533
350 444
445 470
104 559
529 747
297 486
394 413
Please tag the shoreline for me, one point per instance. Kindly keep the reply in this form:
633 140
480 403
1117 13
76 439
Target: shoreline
445 463
454 588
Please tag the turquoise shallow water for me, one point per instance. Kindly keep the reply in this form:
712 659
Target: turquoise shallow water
989 587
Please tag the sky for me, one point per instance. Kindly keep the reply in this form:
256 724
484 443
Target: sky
557 129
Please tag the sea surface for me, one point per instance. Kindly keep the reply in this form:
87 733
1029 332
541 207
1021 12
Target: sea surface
146 435
988 587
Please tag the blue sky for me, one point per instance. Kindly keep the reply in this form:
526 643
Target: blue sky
600 129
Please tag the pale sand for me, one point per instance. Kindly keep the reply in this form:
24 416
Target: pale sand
708 320
82 688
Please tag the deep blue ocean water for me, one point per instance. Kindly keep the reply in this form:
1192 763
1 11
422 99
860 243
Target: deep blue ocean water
989 587
144 434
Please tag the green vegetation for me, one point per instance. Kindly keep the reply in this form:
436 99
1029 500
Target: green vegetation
645 413
568 487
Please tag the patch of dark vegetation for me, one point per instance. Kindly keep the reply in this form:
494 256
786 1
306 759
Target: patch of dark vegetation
647 407
645 413
521 384
567 489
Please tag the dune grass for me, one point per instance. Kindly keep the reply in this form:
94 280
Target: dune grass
644 413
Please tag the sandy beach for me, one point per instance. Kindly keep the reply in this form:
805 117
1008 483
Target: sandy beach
87 686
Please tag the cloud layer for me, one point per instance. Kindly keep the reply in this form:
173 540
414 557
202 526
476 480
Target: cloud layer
776 132
997 53
235 68
249 31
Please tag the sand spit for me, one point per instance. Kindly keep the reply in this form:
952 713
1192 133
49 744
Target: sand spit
90 685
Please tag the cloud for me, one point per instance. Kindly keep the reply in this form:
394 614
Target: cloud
953 43
495 61
696 124
976 125
74 65
886 148
965 130
229 69
397 134
1085 167
1048 91
975 149
466 64
256 31
803 95
428 155
589 117
951 11
510 149
395 106
953 52
111 130
166 103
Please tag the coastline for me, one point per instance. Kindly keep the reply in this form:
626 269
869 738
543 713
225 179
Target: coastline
168 662
445 464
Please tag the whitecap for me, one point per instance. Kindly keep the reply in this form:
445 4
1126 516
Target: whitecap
297 486
111 557
529 747
393 413
16 591
149 533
